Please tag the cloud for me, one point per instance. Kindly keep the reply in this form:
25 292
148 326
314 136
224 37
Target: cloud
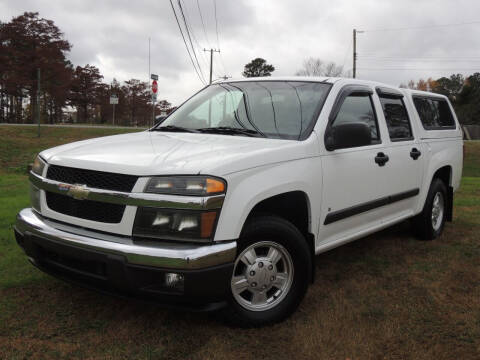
113 35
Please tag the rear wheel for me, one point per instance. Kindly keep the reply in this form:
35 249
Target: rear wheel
430 222
271 272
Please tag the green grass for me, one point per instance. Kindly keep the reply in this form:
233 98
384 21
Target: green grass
20 144
471 165
386 296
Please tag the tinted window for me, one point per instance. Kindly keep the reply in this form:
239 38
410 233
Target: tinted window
277 109
358 109
434 113
396 117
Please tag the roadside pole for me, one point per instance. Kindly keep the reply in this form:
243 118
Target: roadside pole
355 32
113 101
154 78
38 101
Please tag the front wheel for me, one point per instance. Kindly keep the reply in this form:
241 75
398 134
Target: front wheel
271 272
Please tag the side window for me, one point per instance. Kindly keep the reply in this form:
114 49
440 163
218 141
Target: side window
358 108
435 114
444 117
396 117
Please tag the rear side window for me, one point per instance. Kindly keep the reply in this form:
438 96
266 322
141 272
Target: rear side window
358 108
396 117
435 114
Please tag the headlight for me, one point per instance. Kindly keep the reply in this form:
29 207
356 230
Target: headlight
186 185
169 224
38 165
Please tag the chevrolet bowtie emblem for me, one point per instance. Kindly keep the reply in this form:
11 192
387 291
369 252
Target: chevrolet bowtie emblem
77 191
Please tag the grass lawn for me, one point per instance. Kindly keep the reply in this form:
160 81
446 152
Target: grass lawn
388 296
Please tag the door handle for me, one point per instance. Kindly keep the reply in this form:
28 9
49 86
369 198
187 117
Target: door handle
415 153
381 159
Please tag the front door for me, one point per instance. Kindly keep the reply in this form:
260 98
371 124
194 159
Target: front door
353 178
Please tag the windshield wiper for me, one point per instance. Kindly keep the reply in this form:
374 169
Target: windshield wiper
230 131
173 128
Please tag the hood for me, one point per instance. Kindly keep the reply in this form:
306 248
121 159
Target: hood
163 153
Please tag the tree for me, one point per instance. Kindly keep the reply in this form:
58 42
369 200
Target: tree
423 85
138 102
28 43
311 67
85 89
450 87
467 103
258 67
164 106
316 67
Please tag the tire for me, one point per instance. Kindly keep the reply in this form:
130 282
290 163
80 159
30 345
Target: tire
268 285
427 226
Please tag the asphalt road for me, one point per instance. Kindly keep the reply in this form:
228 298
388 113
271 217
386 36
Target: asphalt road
76 126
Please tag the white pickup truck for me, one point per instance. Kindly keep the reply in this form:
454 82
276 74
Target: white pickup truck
226 202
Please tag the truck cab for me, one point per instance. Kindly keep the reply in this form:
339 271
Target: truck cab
225 204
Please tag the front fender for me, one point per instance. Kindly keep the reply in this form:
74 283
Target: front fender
249 187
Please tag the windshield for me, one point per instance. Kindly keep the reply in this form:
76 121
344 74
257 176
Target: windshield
274 109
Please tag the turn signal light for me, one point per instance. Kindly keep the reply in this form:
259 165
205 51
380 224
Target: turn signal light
215 186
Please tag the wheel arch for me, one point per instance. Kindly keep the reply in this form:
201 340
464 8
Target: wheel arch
293 206
445 174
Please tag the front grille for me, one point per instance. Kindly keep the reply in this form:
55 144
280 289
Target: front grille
92 178
85 209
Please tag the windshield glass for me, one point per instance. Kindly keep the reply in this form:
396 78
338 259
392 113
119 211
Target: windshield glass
275 109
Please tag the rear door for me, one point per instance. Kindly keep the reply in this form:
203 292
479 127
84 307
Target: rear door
403 171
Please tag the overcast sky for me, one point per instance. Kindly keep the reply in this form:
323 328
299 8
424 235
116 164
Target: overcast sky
113 35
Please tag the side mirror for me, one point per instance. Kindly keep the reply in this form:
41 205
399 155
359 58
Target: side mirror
347 135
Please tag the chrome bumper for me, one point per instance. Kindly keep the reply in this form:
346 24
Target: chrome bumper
163 255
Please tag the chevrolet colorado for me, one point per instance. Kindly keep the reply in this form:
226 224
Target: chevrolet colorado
227 201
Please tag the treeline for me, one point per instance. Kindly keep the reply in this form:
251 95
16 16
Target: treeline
463 92
32 46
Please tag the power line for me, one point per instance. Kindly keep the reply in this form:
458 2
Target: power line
199 47
186 46
418 58
421 60
216 20
216 31
203 23
346 54
421 69
425 27
189 38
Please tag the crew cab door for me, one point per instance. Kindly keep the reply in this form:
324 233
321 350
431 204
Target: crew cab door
354 185
403 171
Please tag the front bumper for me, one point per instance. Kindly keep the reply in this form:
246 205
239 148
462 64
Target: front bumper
115 264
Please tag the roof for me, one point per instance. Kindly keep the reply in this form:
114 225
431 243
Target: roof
331 80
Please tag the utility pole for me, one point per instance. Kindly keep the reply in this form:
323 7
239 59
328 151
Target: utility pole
211 61
354 53
38 100
148 61
150 75
355 32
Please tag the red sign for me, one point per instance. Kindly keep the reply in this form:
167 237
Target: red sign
154 86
